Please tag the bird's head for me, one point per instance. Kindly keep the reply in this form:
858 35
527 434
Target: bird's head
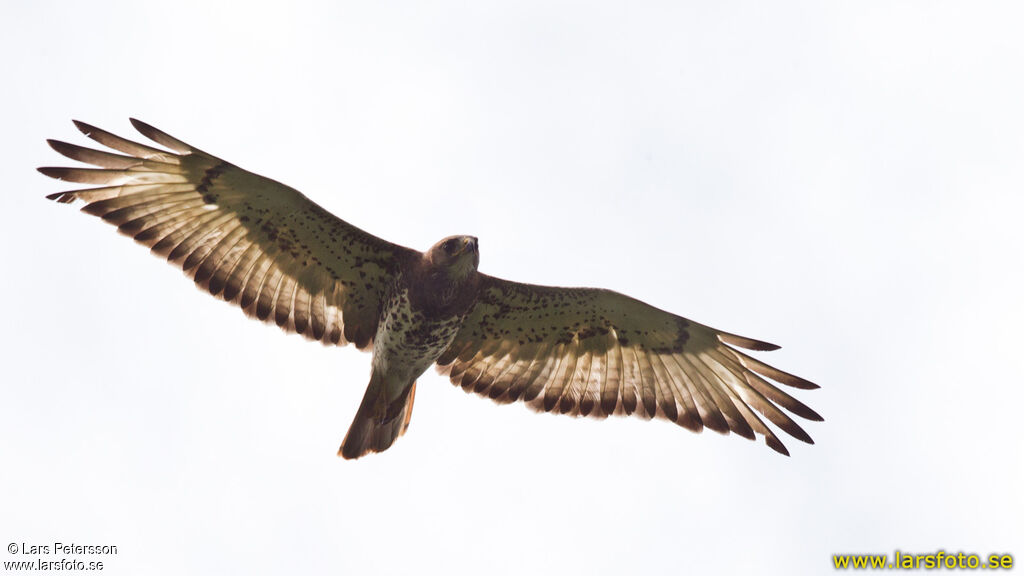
458 254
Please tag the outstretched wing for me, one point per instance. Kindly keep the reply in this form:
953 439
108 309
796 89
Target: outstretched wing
245 238
590 352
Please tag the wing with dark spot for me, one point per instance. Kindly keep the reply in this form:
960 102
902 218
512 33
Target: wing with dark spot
591 352
245 238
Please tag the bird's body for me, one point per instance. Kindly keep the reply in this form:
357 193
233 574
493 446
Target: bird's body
283 259
421 314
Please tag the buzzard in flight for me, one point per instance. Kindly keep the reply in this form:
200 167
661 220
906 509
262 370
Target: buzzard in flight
283 259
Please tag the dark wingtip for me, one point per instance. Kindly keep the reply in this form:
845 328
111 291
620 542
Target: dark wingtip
798 382
140 125
748 343
62 197
83 127
741 428
63 148
812 416
800 434
52 171
159 136
776 445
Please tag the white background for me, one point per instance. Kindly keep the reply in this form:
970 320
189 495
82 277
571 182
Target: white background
842 178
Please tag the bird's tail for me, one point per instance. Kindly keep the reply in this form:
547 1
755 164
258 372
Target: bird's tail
378 423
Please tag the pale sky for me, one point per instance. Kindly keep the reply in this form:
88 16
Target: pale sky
841 178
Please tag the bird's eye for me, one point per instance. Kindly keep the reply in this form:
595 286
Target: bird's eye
449 246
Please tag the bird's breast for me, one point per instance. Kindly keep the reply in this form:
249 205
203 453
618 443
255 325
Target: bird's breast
409 339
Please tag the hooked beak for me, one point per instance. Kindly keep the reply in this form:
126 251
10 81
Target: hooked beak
469 243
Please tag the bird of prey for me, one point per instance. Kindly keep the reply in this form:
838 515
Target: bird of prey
282 258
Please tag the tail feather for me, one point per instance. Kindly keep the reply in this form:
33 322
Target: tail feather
378 423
